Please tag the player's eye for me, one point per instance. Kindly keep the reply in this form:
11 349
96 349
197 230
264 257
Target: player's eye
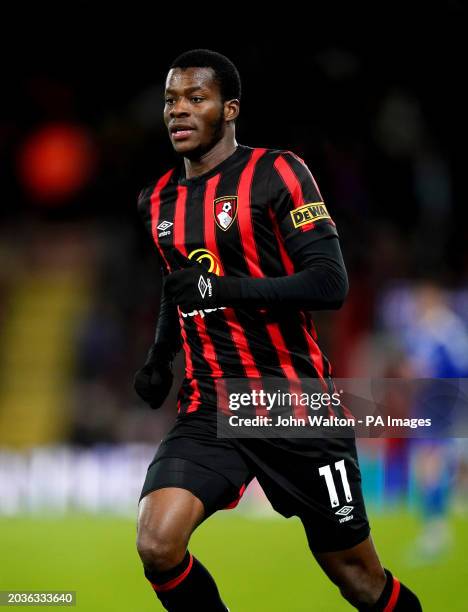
197 99
169 100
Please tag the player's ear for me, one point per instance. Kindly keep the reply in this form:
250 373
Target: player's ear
231 109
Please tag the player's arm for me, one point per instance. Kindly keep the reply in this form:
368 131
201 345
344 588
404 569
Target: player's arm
321 285
167 337
310 239
153 380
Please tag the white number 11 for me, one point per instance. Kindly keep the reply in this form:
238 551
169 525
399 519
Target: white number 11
326 472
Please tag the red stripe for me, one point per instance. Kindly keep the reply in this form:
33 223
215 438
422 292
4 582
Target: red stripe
287 366
242 345
210 225
316 357
171 584
291 181
285 358
394 596
244 215
222 396
237 333
314 352
209 351
286 260
234 503
298 409
195 399
188 356
155 208
194 402
260 409
179 219
293 184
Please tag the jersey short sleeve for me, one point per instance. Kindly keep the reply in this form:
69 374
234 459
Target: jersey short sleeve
297 204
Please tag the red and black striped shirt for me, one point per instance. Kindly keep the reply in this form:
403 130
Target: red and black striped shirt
250 216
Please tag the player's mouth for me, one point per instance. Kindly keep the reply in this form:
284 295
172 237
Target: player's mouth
181 132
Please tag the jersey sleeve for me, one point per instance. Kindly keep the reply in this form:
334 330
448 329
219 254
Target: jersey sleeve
322 284
297 205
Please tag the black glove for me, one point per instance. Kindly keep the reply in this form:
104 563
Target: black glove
153 381
191 286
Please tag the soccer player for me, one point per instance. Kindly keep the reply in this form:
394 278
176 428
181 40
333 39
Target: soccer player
435 355
247 249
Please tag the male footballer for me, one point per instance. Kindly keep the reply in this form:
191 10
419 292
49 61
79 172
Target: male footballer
247 250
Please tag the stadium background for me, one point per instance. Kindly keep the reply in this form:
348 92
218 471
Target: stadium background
377 116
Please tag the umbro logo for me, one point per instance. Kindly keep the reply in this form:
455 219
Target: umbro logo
163 228
204 286
344 511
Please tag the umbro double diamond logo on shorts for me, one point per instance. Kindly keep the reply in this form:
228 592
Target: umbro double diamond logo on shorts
344 511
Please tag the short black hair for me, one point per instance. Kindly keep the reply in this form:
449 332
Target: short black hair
226 74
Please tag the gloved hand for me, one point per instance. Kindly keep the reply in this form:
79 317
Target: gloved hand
153 381
191 286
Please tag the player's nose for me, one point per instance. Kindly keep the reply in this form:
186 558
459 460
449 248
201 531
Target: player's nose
180 109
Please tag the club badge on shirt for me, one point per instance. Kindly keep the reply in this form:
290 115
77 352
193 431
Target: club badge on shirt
225 211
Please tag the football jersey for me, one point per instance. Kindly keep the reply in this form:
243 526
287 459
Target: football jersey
250 216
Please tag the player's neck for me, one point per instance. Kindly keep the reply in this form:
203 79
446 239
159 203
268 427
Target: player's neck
217 154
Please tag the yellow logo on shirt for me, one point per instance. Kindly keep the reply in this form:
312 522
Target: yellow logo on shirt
309 213
206 258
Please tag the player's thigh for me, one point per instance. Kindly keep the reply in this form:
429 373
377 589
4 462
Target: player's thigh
167 517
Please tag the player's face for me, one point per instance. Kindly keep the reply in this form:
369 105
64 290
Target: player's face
193 111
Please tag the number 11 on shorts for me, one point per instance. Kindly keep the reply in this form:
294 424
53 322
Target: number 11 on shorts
326 472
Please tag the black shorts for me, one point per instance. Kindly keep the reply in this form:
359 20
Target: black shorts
317 480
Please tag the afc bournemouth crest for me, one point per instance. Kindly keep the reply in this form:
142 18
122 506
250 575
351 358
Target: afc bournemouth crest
225 211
